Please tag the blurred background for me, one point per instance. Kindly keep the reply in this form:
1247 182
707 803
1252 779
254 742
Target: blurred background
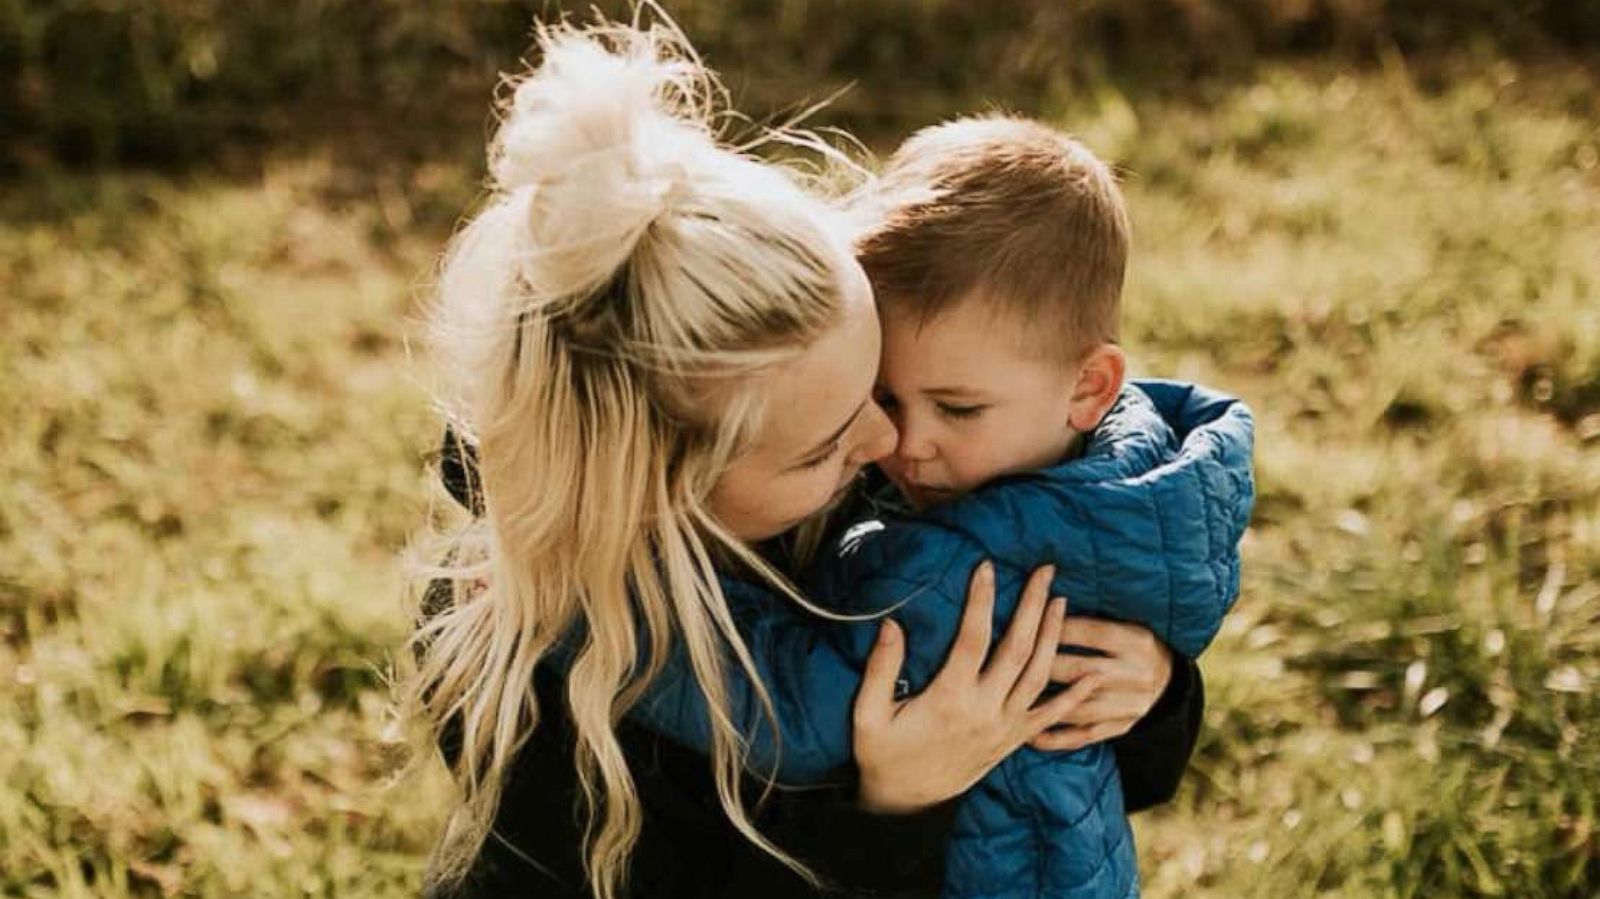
1377 221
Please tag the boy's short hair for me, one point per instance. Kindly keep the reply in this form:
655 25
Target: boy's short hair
1009 210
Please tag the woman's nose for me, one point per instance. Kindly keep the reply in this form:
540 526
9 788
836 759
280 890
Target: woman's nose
878 436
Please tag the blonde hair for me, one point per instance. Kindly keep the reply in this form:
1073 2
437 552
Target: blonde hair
597 326
1007 210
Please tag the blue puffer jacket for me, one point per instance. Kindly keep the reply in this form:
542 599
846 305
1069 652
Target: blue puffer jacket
1143 527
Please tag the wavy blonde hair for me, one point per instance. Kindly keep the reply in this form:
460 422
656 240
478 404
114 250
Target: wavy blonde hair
598 326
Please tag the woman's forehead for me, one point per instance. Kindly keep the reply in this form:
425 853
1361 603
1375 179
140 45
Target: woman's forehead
816 393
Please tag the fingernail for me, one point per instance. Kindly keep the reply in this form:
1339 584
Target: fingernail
886 634
986 571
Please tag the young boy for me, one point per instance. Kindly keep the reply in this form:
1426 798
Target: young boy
997 251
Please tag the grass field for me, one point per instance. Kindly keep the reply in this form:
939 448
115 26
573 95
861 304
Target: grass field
213 455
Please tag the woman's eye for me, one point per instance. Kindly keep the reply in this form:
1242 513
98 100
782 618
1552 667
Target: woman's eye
829 453
950 411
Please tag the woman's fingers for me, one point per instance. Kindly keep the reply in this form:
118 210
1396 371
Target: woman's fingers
1132 683
1036 676
875 702
1067 738
1067 667
1052 711
1016 647
972 641
1113 638
1110 703
1120 687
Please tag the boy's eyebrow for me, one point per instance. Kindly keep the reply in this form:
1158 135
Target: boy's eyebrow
819 447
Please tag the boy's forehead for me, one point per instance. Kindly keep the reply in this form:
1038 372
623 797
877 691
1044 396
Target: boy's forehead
975 320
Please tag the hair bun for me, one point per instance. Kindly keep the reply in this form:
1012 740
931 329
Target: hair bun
598 136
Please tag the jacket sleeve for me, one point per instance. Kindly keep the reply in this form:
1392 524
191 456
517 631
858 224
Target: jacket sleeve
802 665
811 666
1217 433
1163 551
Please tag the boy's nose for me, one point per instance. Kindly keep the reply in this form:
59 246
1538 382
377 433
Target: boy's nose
914 446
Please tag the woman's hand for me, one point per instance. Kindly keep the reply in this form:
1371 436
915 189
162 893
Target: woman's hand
917 752
1124 684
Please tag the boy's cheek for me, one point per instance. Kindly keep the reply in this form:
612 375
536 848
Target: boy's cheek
976 459
982 458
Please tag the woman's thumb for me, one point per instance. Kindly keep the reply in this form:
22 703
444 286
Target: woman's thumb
876 700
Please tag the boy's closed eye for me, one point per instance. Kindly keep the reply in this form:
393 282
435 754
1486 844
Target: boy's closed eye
958 411
950 410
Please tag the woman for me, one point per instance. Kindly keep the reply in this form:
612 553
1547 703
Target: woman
663 352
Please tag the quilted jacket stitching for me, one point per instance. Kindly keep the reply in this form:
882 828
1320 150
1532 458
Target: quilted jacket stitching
1161 537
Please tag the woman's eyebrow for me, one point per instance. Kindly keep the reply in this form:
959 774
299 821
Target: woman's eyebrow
826 441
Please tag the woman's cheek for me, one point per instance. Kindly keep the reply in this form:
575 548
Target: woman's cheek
822 486
794 497
797 498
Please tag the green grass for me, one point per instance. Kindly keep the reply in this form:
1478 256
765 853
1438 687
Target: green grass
214 438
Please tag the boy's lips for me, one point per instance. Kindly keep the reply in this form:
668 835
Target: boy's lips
925 492
920 493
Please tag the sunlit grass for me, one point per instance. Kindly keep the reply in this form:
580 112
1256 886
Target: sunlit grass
214 443
212 455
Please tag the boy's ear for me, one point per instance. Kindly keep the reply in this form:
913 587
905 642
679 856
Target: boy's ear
1100 378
